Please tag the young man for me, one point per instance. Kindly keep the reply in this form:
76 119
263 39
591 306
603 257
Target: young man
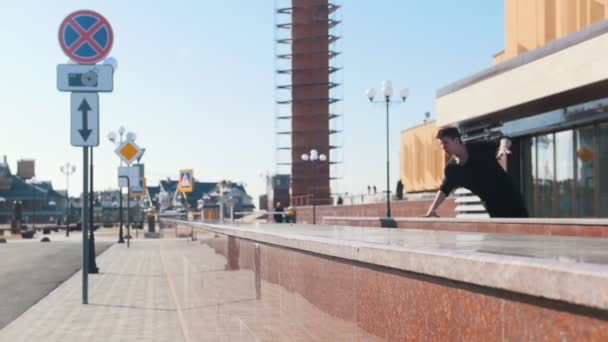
475 166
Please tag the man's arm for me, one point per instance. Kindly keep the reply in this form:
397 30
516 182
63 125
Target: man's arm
449 183
439 198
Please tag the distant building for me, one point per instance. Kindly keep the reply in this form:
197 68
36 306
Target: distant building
26 168
40 202
204 194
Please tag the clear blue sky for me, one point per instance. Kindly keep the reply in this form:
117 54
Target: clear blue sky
195 82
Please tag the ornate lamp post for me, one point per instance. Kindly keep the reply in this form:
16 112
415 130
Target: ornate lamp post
112 137
314 157
68 170
387 92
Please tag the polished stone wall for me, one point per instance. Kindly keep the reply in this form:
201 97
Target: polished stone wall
312 297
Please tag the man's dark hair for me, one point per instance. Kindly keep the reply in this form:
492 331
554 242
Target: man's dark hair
448 132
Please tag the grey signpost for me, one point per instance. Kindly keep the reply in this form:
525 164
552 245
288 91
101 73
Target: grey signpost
85 45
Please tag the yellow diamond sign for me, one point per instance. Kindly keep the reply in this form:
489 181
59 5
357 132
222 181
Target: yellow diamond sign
585 154
128 152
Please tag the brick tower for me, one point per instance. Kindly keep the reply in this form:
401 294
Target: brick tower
307 115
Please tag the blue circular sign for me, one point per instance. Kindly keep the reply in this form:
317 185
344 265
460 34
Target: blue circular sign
86 37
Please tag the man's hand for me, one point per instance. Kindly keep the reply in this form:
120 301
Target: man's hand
504 149
431 214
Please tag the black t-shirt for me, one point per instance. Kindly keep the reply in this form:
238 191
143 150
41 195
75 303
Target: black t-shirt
484 177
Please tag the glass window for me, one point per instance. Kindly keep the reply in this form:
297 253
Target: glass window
545 175
585 169
528 147
564 173
603 169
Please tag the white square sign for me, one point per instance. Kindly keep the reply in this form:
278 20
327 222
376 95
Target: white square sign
85 119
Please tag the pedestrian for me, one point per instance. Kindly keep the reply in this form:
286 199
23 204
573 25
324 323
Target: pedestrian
399 190
291 215
475 166
369 190
278 213
340 200
374 189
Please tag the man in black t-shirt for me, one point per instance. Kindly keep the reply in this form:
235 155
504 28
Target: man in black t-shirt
475 166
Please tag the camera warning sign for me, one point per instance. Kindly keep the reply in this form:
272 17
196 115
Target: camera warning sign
86 37
85 78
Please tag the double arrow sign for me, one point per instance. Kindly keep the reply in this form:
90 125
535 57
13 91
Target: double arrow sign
85 119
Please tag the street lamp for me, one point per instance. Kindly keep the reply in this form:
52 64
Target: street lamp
33 182
314 157
68 170
2 200
52 204
112 137
387 92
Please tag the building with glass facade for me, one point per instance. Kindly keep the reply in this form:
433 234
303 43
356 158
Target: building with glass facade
549 93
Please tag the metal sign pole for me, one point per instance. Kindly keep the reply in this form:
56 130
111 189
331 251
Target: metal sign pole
85 226
84 80
92 263
128 208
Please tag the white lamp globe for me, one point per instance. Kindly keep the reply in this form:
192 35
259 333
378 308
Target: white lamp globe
387 88
112 136
111 61
131 136
371 93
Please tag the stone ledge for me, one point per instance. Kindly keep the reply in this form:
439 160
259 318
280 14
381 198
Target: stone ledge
420 252
535 221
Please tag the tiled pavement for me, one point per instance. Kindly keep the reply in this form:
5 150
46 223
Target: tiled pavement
174 290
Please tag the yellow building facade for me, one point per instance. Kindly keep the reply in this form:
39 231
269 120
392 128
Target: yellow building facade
530 24
421 159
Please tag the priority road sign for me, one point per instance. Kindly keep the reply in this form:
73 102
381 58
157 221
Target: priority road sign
86 37
129 152
85 119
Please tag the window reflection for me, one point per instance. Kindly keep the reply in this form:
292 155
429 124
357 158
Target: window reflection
603 169
529 171
545 175
585 180
564 173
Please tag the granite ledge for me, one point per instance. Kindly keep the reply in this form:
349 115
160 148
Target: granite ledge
531 221
587 282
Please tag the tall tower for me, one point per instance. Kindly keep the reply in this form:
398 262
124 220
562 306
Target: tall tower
308 114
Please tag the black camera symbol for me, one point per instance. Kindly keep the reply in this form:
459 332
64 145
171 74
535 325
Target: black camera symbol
86 79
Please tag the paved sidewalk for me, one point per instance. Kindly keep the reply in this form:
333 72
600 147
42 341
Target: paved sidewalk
129 301
175 290
30 271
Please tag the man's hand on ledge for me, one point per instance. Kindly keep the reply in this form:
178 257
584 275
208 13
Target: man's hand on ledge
431 214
